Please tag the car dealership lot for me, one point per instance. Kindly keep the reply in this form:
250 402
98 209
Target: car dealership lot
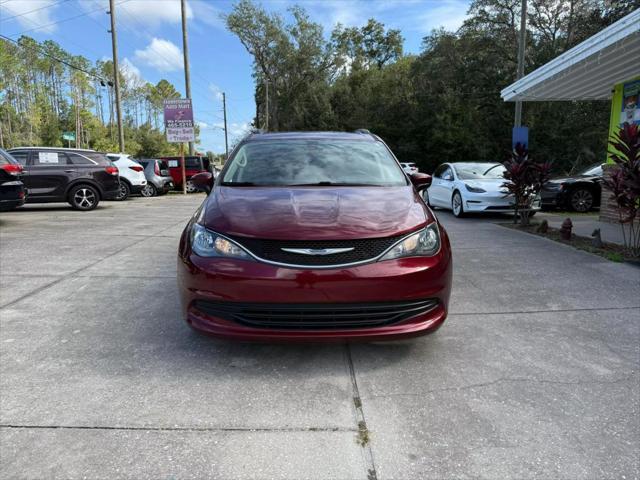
534 374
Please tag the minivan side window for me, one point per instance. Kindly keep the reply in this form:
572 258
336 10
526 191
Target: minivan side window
50 159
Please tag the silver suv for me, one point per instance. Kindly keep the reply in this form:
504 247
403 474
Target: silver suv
159 180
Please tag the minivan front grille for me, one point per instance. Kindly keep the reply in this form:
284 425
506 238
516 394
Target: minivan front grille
362 250
315 316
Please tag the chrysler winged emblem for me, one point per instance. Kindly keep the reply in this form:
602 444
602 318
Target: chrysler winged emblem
317 251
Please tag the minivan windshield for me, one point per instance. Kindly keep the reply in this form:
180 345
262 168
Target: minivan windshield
479 171
313 162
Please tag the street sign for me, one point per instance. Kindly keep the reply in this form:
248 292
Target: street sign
71 136
178 120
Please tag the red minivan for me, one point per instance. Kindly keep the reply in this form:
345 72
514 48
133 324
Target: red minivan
192 165
314 236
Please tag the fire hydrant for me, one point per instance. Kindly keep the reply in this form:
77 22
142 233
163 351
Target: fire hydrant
565 229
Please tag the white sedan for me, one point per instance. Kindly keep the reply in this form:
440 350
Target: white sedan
470 187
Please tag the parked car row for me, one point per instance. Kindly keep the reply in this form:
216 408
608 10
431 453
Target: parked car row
464 187
80 177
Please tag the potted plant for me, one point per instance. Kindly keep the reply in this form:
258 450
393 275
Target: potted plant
624 183
524 179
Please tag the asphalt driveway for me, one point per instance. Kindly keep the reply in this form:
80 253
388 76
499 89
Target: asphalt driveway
534 375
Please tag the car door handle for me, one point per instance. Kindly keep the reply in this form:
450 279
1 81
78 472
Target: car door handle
69 171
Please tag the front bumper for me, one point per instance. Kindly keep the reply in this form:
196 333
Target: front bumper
233 282
481 202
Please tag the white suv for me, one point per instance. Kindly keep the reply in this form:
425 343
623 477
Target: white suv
132 179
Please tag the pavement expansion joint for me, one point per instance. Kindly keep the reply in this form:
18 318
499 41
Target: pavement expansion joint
178 429
363 437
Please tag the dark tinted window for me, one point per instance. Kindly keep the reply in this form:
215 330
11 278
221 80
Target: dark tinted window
49 158
439 171
312 162
99 158
79 159
144 163
163 164
21 157
193 162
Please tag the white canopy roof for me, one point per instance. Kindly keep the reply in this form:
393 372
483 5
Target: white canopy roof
589 70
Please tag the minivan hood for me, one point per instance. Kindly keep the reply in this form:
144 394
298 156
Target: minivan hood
314 213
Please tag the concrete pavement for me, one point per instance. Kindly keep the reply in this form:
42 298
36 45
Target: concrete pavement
534 375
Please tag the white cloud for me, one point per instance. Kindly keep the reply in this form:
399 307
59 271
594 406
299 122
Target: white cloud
163 55
152 13
217 92
33 13
203 125
129 70
238 129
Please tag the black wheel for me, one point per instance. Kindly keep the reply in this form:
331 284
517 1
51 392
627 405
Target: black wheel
581 200
149 190
425 196
84 197
124 191
456 205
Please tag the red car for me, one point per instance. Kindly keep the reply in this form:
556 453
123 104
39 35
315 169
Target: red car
314 236
192 165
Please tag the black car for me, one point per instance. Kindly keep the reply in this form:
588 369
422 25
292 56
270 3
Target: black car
12 191
80 177
580 192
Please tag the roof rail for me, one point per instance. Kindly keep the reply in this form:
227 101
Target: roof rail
362 130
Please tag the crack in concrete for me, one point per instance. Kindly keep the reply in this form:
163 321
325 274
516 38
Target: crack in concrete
179 429
505 380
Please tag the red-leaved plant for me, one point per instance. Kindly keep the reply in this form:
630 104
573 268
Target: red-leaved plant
524 179
624 183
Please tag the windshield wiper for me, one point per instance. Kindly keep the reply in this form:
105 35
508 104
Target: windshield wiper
491 168
237 184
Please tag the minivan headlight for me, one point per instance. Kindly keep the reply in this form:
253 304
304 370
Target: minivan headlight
206 243
424 243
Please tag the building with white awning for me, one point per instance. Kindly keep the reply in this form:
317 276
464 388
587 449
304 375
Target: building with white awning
606 66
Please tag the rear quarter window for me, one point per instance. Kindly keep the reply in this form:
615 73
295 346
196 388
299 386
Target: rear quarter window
99 158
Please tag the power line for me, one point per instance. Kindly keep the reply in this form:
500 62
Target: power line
34 10
68 64
65 19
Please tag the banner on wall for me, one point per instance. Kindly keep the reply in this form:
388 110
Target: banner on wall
630 103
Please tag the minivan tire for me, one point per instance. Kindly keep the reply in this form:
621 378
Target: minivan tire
84 197
124 192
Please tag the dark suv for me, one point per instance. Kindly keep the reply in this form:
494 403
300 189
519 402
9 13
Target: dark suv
80 177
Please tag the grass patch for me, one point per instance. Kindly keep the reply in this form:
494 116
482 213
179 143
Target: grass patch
611 251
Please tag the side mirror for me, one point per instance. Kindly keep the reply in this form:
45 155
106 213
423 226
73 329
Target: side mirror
420 180
203 181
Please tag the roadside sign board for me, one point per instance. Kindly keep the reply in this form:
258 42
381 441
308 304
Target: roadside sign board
71 136
178 120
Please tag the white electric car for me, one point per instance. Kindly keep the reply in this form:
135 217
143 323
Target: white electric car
470 187
132 179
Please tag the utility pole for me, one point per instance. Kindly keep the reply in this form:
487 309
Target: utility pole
185 52
116 74
521 49
266 104
226 140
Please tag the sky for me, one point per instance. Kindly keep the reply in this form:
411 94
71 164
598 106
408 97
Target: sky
150 42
